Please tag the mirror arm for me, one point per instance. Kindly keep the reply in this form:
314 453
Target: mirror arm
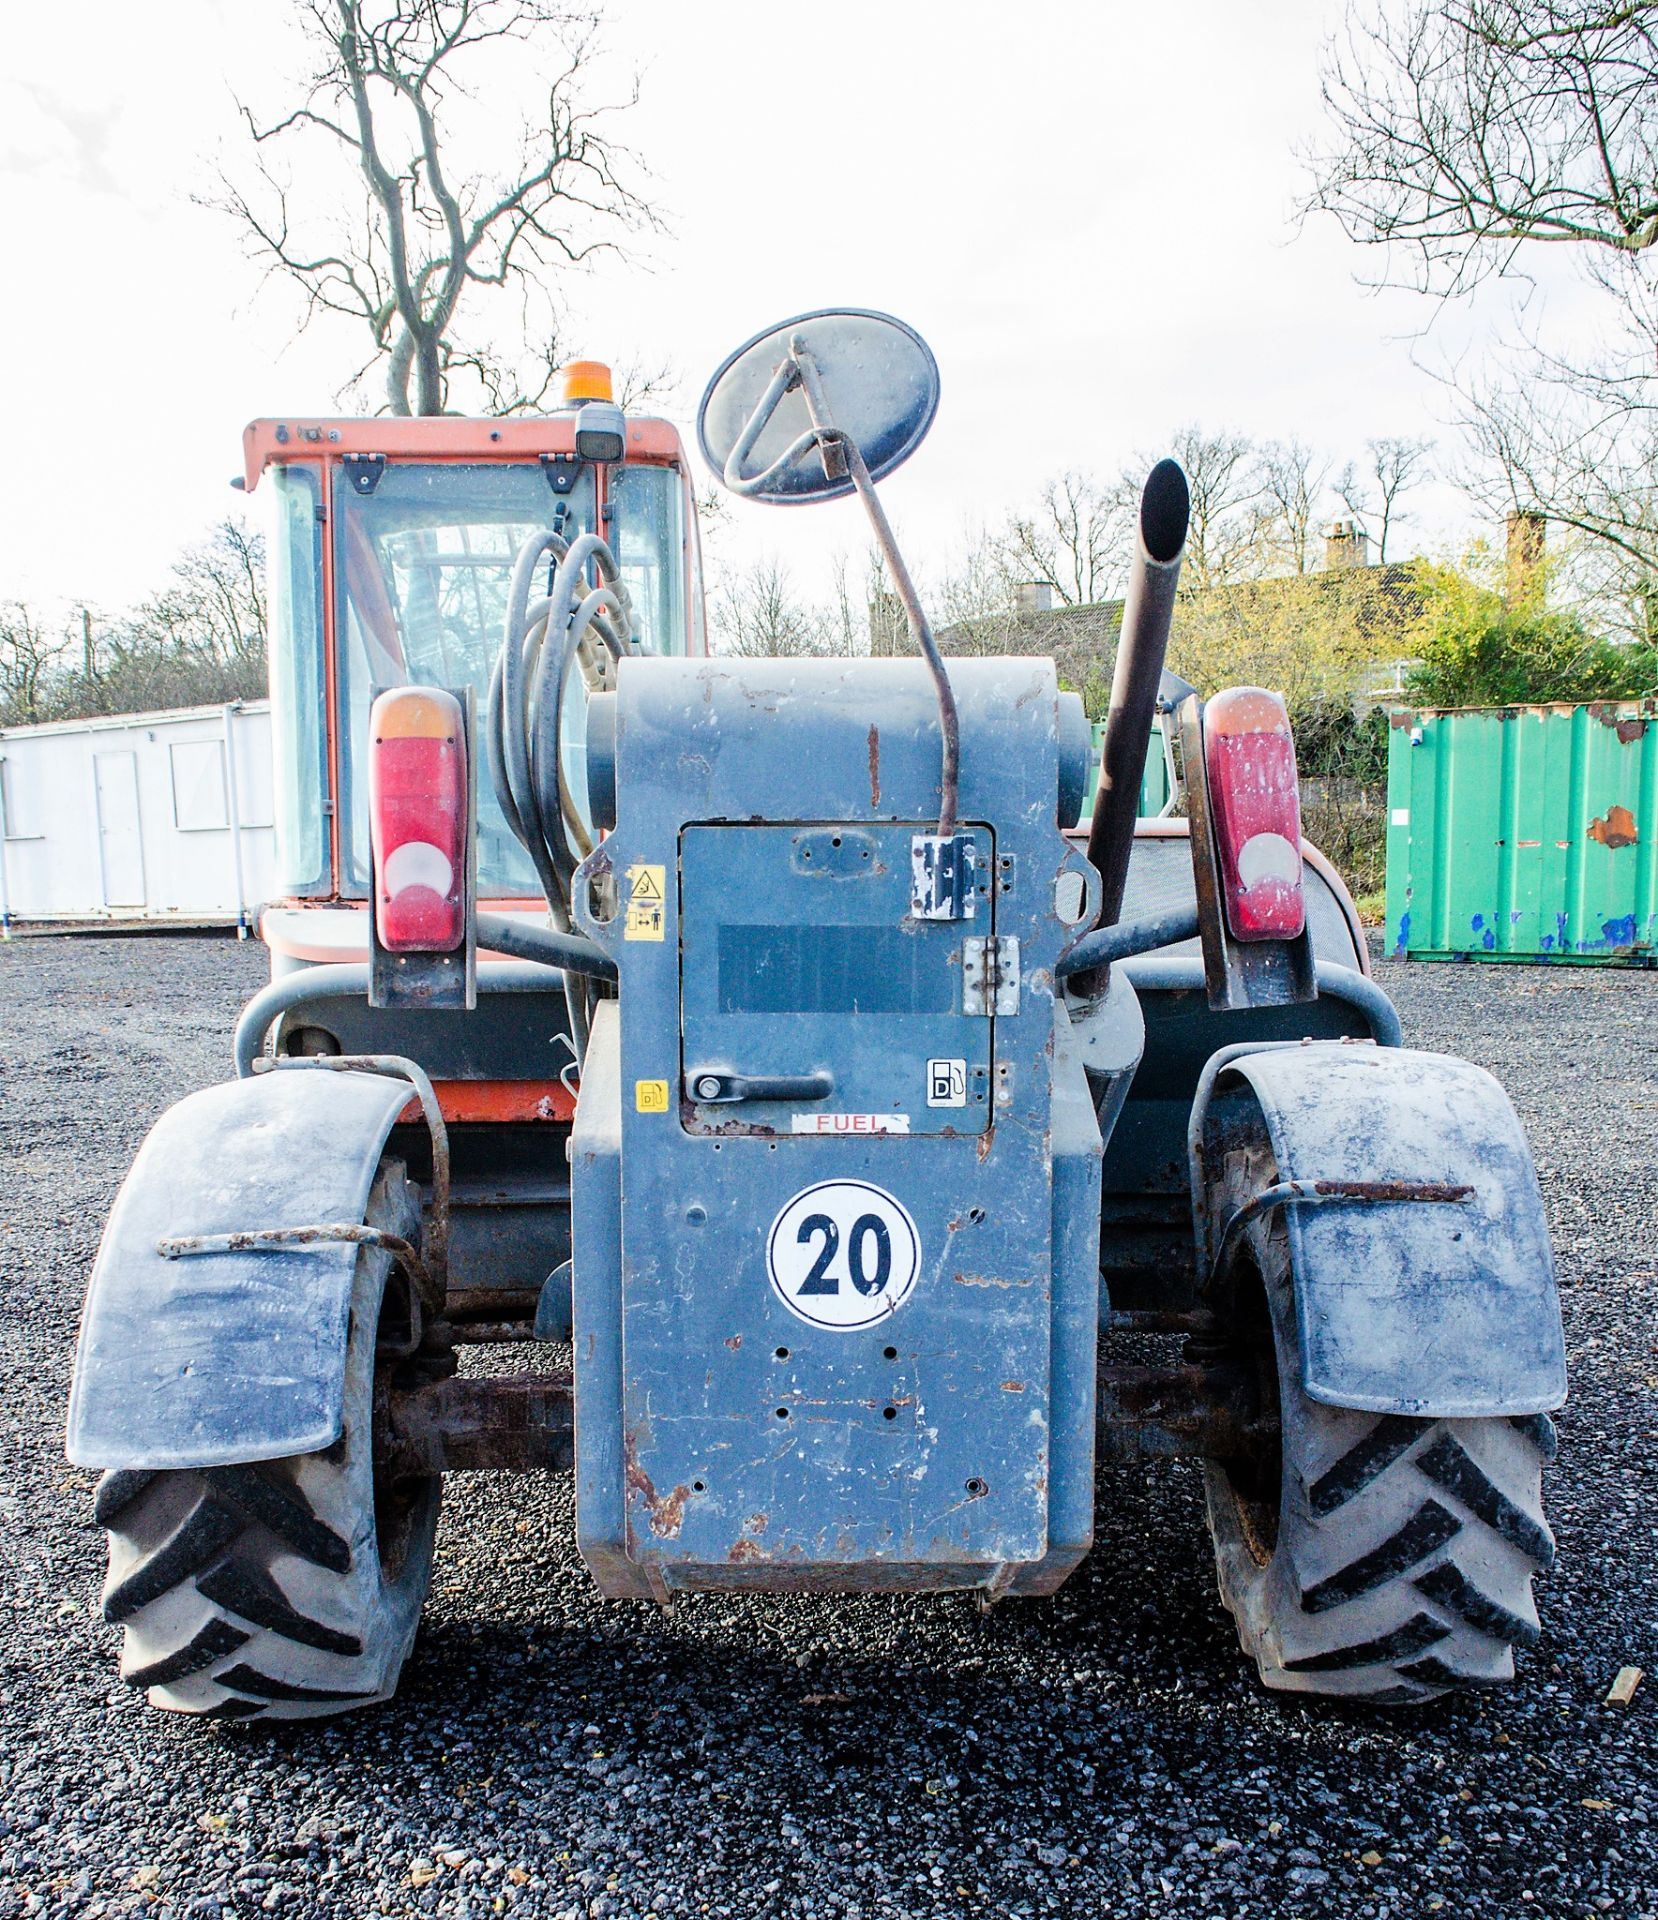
842 458
839 447
783 381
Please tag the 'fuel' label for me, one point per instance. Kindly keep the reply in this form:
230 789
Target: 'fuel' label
650 1096
647 887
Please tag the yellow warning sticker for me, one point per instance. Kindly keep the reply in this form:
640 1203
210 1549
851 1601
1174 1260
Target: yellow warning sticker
650 1096
645 909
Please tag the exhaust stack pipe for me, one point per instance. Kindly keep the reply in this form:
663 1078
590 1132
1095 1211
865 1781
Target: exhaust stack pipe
1148 609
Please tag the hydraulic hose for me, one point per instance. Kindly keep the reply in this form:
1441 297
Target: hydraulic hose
348 979
1126 938
524 724
568 952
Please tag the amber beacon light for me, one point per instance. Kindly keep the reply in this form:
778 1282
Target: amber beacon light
586 380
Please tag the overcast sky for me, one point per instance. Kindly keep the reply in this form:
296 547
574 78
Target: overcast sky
1087 209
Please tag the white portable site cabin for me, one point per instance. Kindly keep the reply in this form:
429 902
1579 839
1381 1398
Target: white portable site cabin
138 817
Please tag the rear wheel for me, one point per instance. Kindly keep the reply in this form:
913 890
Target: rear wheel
282 1589
1387 1559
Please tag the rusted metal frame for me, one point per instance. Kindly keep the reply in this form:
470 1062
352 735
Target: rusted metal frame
1317 1193
494 1303
189 1246
521 1423
1208 1412
394 1066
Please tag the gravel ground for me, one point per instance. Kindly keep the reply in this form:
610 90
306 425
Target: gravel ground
1103 1752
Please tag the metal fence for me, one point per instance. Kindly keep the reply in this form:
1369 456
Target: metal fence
1524 833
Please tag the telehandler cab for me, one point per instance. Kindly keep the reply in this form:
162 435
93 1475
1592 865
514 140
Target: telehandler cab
768 1039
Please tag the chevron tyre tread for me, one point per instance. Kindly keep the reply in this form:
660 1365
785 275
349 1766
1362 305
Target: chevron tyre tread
264 1591
1405 1549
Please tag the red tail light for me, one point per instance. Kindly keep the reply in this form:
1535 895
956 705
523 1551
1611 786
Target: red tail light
417 801
1253 793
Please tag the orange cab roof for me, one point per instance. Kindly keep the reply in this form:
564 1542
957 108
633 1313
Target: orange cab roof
440 437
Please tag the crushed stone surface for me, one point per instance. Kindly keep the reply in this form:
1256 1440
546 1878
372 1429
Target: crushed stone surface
1105 1752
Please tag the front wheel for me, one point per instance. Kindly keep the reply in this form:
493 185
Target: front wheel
282 1589
1382 1558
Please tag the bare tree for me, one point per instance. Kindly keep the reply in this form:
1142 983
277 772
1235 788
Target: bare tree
28 657
1223 538
757 614
972 592
1292 480
214 605
1582 451
1372 494
1072 543
1466 130
428 225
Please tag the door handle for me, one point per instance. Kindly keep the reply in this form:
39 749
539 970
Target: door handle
712 1088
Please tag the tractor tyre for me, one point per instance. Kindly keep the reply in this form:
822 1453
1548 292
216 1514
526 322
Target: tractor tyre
1383 1558
281 1589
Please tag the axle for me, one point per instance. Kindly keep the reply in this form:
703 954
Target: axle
525 1423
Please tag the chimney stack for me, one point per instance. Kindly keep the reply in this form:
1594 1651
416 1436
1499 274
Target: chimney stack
1346 545
1526 533
1032 596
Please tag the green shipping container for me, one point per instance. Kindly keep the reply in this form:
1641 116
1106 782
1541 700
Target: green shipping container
1524 833
1154 782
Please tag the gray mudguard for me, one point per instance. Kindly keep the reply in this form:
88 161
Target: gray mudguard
227 1357
1443 1311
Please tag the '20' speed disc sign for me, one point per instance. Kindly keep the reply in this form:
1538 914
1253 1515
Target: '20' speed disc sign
843 1255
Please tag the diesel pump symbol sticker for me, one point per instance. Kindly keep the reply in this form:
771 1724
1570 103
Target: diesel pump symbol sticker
645 910
946 1083
843 1255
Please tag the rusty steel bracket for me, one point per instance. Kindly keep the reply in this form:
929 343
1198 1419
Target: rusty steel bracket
1315 1193
1210 1412
394 1066
190 1246
514 1423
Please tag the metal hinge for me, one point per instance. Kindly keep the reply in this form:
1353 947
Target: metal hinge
365 471
563 470
990 975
